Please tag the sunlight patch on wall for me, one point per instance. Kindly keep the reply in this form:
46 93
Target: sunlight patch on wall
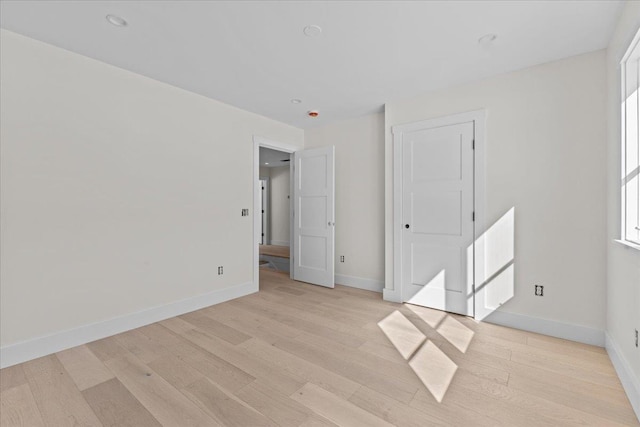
495 275
501 289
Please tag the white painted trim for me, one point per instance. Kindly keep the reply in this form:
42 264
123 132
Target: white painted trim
280 243
397 217
265 221
627 244
479 201
551 328
258 142
391 295
359 282
630 382
453 119
27 350
478 117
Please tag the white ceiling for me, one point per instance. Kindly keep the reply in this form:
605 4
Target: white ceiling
272 159
254 55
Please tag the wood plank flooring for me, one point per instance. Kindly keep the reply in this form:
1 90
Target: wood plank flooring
274 250
300 355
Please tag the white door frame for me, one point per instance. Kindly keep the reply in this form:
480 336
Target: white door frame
266 206
258 142
478 118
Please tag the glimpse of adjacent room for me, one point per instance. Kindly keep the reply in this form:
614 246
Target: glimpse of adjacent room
275 210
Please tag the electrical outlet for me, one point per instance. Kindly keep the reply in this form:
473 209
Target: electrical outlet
341 258
220 270
539 290
245 212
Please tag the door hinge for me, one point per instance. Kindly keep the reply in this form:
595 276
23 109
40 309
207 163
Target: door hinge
473 288
473 144
473 216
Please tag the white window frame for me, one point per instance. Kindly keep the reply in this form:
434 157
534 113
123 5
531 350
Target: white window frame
627 237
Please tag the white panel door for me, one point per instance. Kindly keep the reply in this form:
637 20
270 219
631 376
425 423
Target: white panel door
314 216
437 217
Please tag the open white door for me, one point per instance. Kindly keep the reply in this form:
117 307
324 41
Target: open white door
314 218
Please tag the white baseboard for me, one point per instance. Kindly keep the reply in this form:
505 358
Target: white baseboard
391 295
359 282
42 346
552 328
279 242
630 382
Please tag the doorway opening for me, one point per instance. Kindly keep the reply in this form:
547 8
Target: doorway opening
275 198
262 175
310 199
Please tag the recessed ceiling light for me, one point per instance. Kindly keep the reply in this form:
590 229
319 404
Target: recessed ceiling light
266 163
313 113
312 30
296 101
487 39
116 20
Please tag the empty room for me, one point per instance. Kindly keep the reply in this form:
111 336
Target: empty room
319 213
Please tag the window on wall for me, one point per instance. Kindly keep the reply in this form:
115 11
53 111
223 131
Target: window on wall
630 146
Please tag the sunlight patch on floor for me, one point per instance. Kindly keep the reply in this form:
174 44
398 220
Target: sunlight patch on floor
456 333
429 316
402 333
434 369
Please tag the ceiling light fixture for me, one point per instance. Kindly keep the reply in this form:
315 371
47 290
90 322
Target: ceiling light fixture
116 20
296 101
312 30
487 39
313 113
266 163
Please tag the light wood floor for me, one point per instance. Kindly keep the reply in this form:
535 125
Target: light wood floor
274 250
300 355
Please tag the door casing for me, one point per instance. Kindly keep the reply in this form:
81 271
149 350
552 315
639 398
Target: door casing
266 207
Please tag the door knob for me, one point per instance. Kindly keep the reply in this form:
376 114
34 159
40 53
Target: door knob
406 226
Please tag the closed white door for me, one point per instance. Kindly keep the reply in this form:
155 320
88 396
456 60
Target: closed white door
314 216
437 223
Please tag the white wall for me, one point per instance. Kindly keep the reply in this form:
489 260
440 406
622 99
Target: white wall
359 196
264 172
623 263
119 193
280 181
545 150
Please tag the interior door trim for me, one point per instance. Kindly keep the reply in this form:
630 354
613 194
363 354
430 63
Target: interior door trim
478 118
